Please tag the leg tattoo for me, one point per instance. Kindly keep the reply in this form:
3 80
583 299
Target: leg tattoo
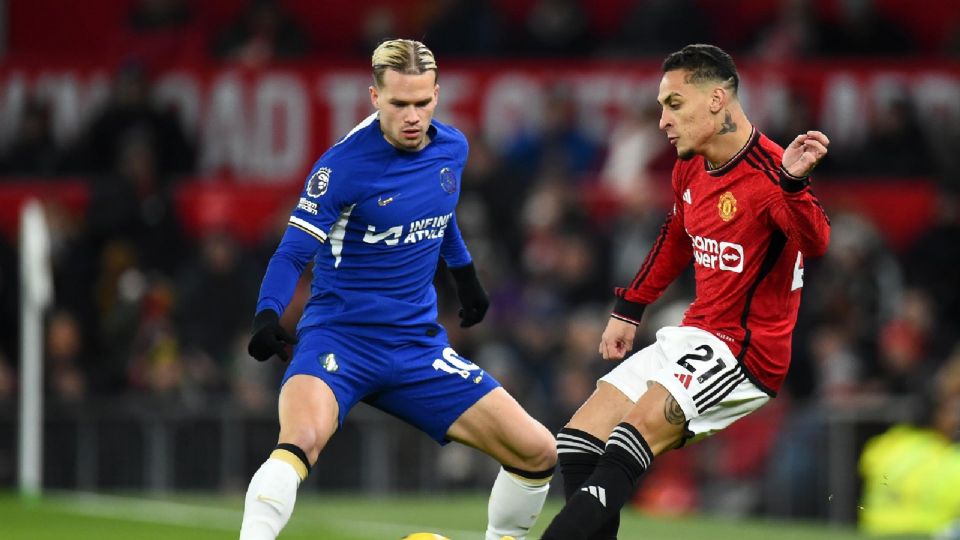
672 411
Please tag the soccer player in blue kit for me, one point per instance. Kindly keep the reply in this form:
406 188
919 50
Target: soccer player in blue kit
375 214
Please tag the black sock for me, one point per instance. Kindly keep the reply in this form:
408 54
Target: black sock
610 486
578 453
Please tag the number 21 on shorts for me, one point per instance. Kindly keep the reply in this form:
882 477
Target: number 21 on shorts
702 363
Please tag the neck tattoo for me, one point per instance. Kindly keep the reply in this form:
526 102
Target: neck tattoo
728 125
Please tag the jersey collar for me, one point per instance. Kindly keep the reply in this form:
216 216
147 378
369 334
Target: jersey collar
732 162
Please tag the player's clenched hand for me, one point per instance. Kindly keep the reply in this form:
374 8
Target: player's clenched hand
617 339
269 338
803 154
473 298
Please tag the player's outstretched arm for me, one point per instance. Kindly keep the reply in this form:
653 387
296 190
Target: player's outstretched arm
803 154
617 339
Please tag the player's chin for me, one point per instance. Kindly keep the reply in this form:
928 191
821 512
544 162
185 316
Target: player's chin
411 143
684 154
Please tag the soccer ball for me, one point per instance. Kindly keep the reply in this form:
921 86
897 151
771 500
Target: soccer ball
424 536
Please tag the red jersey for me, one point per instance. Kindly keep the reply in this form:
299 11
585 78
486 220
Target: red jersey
747 227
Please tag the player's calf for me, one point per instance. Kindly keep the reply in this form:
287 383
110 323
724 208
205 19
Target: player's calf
516 501
272 493
578 454
625 458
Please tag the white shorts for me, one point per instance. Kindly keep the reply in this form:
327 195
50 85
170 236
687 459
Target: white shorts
699 371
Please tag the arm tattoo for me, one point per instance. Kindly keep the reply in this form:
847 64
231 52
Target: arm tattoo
728 126
673 412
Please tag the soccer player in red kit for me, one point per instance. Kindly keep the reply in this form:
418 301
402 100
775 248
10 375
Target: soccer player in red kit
744 215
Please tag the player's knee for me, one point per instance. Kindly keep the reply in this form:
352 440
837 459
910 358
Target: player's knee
307 438
535 451
659 433
543 451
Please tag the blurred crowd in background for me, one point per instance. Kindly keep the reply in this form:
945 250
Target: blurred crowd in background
554 218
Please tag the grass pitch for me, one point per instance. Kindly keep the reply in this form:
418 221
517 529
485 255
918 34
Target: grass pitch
459 517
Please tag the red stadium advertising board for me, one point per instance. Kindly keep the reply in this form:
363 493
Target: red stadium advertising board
270 125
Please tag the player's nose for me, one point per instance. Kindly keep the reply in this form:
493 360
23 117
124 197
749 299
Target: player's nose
410 116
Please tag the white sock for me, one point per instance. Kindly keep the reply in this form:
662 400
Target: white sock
515 504
270 499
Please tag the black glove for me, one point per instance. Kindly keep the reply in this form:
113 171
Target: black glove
473 298
269 338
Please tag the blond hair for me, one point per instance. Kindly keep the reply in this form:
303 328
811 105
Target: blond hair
403 55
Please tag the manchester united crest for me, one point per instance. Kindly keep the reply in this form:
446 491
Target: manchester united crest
727 206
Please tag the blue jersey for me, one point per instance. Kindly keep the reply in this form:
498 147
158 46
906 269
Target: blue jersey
374 220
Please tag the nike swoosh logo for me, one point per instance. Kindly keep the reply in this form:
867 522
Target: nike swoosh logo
270 500
383 202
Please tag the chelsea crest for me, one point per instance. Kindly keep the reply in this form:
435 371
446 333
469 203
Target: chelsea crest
448 180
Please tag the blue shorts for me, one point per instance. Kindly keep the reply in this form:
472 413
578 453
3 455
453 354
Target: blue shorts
414 376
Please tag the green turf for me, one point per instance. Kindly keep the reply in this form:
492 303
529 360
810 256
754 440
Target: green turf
461 517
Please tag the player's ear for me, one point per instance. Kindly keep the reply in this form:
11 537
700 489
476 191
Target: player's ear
718 99
374 97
